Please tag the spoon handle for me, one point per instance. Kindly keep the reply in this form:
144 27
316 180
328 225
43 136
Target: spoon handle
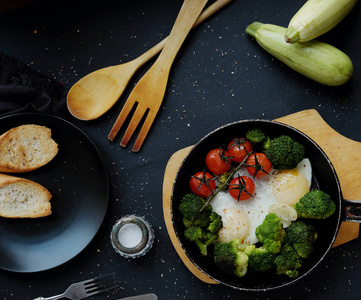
209 11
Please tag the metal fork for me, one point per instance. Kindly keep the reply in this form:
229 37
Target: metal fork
85 289
148 94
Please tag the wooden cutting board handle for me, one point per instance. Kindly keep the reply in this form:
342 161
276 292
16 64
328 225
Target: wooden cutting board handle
344 154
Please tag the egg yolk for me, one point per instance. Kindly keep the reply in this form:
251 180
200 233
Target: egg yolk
235 225
289 186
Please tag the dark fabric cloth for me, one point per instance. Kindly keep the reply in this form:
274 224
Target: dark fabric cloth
23 89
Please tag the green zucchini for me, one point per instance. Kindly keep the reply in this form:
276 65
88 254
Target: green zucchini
315 18
316 60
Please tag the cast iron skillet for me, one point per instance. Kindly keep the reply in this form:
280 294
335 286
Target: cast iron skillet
324 178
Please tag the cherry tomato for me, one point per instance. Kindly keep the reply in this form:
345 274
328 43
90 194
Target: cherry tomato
261 166
241 188
238 149
217 161
202 184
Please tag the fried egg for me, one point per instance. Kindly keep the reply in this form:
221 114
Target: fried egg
278 192
290 185
236 224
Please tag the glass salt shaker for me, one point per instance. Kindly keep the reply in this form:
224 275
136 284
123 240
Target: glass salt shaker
132 236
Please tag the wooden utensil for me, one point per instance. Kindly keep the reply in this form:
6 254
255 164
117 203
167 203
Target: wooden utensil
311 123
148 94
96 93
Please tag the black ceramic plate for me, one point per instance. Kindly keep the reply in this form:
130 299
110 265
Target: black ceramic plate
324 177
78 180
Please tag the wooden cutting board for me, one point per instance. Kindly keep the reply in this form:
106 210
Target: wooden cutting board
347 165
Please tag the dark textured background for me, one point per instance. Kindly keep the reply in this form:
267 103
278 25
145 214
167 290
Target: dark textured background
220 75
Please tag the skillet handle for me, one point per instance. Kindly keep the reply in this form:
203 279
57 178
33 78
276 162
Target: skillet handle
352 211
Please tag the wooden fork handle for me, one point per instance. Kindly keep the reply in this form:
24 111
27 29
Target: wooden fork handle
188 14
209 11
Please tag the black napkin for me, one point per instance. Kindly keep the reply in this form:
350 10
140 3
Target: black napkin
22 89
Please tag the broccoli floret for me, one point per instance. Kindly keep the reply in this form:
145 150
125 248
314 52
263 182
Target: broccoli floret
260 260
222 181
271 233
315 205
191 205
285 153
190 208
215 222
187 222
288 262
202 225
255 135
292 273
301 236
230 257
258 139
266 143
202 238
202 218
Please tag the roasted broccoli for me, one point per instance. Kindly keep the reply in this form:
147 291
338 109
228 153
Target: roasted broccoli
288 262
215 222
315 205
301 236
255 135
231 257
190 205
271 233
258 139
260 260
201 237
222 181
266 143
285 153
190 208
202 226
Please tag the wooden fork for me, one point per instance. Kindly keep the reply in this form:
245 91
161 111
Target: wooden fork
148 94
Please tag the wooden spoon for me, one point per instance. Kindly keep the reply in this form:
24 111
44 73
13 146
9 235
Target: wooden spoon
96 93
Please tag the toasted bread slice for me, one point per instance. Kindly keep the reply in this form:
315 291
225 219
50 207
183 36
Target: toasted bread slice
26 148
22 198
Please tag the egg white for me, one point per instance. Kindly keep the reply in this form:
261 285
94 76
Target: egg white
241 218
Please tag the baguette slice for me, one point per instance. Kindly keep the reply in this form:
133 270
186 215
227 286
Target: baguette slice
22 198
26 148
